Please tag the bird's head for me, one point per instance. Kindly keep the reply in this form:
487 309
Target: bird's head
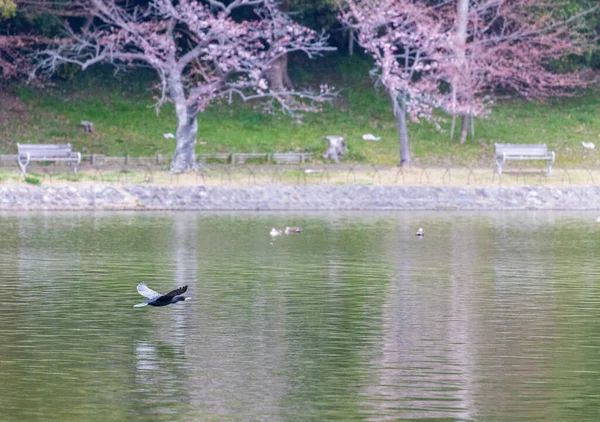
180 299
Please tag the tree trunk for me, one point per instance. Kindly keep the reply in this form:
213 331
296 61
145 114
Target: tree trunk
462 17
400 113
184 157
402 129
277 75
185 151
464 128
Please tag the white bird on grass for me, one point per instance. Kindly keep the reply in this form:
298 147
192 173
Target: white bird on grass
275 232
588 145
370 137
168 136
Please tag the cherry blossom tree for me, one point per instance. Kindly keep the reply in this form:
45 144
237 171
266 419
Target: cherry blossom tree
408 41
475 47
511 45
201 50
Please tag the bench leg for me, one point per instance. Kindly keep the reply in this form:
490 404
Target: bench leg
22 165
551 162
499 165
78 162
499 162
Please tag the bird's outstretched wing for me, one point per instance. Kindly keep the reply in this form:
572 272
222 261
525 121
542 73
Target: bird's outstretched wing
176 292
146 291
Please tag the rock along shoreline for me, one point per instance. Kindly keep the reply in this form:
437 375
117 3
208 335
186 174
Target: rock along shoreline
296 197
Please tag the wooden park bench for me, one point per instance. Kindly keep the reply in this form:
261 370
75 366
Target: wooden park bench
46 152
506 152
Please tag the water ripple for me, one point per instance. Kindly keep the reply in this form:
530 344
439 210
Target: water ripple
488 317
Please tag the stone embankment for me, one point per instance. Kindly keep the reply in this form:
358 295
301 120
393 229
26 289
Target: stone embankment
297 197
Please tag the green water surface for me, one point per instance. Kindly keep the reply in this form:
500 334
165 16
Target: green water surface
490 316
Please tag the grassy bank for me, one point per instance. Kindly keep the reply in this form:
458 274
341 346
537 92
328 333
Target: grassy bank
126 122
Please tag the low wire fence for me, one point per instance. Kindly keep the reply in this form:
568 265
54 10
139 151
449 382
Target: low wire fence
243 171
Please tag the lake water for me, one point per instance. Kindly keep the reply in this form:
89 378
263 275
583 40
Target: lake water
490 316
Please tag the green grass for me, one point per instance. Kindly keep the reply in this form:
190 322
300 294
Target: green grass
126 122
33 180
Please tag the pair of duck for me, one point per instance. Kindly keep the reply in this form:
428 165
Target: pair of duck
288 230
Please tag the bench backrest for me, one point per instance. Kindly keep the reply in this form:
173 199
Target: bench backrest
534 150
45 150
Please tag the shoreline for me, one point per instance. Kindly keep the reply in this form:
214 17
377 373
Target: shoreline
278 197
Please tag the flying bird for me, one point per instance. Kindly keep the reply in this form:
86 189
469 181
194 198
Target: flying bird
157 299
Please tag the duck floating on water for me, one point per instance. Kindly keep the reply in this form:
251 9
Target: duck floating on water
157 299
420 232
292 230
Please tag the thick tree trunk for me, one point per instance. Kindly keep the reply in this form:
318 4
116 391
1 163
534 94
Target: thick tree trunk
277 75
185 151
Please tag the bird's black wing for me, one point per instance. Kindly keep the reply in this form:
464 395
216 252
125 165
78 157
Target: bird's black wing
176 292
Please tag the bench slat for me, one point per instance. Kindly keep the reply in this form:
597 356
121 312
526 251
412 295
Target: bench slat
38 146
46 153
